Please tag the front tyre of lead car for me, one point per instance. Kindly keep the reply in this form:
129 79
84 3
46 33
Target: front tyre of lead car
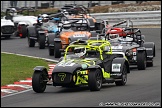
123 77
39 81
95 80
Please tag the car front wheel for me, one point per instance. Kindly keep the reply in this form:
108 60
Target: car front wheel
39 81
95 80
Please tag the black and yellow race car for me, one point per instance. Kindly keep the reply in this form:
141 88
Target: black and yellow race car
85 63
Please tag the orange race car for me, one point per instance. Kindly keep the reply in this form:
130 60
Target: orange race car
70 31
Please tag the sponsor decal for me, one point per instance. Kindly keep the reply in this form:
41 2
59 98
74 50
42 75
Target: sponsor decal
116 47
62 76
78 35
116 67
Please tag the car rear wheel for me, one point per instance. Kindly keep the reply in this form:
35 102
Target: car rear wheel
31 42
141 60
24 32
42 39
149 64
95 80
7 37
57 47
124 77
51 51
39 81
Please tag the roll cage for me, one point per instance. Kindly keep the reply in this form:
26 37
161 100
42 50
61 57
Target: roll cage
126 30
98 46
74 9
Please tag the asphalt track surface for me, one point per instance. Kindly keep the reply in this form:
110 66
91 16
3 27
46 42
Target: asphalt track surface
143 87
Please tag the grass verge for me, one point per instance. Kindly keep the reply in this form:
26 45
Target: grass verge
15 68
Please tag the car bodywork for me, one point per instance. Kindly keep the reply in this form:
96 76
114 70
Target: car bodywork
131 41
40 33
7 28
20 21
65 36
100 65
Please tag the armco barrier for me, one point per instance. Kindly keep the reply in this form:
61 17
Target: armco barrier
138 18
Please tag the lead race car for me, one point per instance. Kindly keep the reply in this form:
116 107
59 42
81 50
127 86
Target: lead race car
127 39
85 63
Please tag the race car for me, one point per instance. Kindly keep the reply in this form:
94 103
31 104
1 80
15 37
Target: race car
80 11
41 31
85 63
7 28
70 31
20 21
131 41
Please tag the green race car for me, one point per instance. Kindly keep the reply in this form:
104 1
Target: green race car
91 63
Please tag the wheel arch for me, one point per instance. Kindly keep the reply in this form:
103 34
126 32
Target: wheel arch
121 61
40 69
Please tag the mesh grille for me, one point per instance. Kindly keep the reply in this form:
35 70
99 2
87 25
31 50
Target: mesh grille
7 29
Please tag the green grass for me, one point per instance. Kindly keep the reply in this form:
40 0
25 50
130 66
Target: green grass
15 68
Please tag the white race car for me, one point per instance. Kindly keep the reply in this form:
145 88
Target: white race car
7 28
20 21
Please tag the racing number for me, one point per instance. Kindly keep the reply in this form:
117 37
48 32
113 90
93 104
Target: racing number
62 76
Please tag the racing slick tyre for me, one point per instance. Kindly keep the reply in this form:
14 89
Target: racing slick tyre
123 77
95 80
24 31
7 37
31 42
57 47
41 41
141 60
149 64
39 81
51 51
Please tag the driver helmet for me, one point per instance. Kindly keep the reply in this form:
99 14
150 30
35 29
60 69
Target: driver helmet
80 51
45 18
13 12
66 25
113 36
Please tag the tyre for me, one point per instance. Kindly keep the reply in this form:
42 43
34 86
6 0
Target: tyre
124 77
149 64
141 60
57 47
154 52
39 81
24 32
41 41
31 42
95 80
51 51
7 37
